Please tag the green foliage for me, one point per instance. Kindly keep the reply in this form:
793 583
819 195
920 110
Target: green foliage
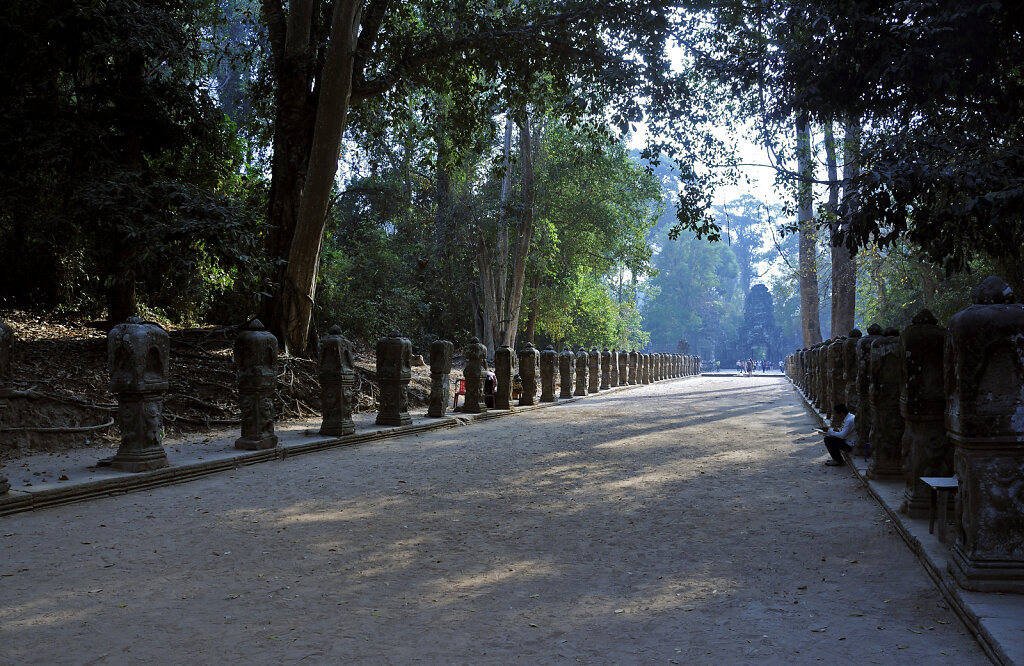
115 162
697 297
595 208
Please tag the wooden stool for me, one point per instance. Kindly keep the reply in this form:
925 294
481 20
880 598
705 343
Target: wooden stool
941 487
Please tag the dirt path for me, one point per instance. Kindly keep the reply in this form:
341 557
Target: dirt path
685 522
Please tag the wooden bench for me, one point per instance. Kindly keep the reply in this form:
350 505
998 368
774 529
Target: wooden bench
941 489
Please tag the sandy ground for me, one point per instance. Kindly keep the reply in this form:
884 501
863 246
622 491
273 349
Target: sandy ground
687 522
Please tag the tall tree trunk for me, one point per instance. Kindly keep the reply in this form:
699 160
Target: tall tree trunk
809 298
524 229
298 208
844 267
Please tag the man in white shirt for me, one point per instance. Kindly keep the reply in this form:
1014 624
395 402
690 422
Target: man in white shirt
838 440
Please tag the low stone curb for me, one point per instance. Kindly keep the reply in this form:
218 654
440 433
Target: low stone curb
17 501
930 557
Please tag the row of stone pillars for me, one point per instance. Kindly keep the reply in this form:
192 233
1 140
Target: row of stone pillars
932 401
592 371
139 354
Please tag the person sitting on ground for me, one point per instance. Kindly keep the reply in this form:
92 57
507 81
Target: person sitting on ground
841 438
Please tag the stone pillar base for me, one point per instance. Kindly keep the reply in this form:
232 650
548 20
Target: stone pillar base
247 444
404 418
917 501
549 398
527 401
987 576
140 460
4 485
338 430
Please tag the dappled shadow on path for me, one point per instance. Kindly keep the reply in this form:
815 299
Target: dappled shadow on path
656 524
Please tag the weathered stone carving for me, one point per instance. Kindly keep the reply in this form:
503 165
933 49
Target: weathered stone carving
623 372
887 423
984 380
548 361
850 371
836 364
566 372
138 354
606 369
925 448
613 368
504 370
645 368
441 353
631 368
337 377
529 363
393 375
594 370
864 417
256 369
476 377
6 343
582 367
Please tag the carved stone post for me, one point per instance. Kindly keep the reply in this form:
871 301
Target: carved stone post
476 377
138 354
985 402
623 365
256 368
606 369
850 371
887 423
393 375
504 369
548 361
837 379
926 450
441 353
582 360
634 359
337 376
566 372
594 370
6 338
613 368
645 368
529 362
864 417
6 342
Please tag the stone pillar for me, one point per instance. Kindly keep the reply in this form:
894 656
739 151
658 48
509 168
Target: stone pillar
886 422
529 362
337 377
256 367
476 377
6 343
645 368
441 353
566 372
863 418
623 365
138 354
504 369
582 360
393 375
6 338
613 368
850 370
926 450
984 366
594 370
634 361
837 378
548 361
606 369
